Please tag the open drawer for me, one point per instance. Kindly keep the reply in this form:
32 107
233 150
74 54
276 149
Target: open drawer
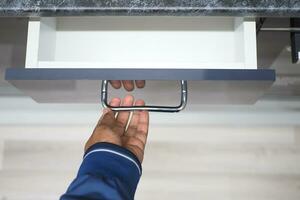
67 57
142 42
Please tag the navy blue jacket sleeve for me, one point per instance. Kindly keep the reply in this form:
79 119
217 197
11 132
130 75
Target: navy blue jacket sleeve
107 172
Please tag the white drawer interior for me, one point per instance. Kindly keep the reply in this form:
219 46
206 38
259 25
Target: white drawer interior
142 42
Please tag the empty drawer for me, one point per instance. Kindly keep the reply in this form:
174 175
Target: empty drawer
142 42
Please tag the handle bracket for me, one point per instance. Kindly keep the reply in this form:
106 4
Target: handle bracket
150 108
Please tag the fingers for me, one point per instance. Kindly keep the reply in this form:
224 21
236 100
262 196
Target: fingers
115 102
135 119
123 117
137 132
143 125
116 84
140 84
118 127
128 85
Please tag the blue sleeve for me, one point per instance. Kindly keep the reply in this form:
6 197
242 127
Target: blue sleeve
107 172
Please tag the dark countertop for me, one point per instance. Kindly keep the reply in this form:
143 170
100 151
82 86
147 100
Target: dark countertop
249 8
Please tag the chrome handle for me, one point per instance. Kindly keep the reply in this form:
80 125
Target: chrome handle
181 106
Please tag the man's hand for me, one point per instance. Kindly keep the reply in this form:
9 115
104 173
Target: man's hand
113 130
128 85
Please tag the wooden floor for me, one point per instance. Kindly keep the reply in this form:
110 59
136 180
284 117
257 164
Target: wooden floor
243 156
243 163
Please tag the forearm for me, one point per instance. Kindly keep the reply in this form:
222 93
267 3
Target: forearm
108 171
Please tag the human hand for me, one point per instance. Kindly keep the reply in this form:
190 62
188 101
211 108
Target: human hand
113 130
128 85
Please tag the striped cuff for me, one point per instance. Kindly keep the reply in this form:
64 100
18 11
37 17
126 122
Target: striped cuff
110 160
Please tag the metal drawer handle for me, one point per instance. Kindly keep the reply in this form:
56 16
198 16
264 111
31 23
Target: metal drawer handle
183 102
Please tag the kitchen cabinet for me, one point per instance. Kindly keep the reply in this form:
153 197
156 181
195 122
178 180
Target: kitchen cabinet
67 57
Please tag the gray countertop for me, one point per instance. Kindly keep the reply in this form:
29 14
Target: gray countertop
249 8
